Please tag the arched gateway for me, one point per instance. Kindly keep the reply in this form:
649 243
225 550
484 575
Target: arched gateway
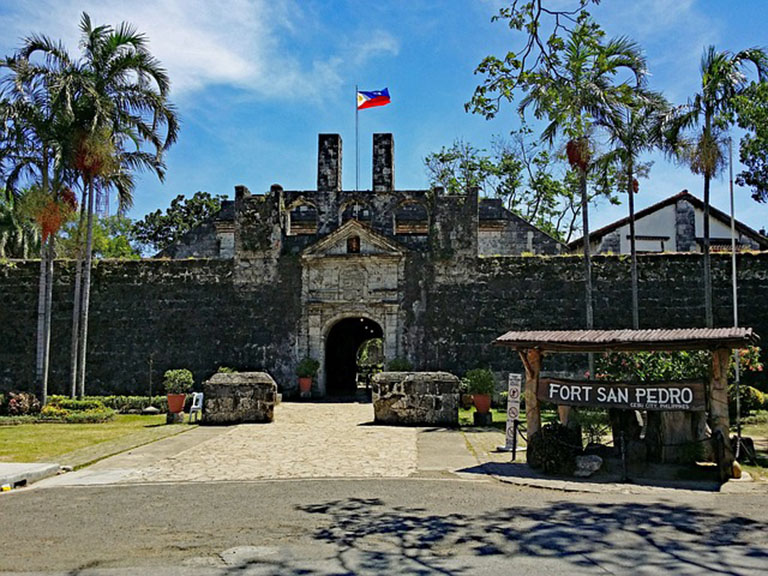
342 348
351 281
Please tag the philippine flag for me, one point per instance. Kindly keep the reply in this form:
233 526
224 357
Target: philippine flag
371 99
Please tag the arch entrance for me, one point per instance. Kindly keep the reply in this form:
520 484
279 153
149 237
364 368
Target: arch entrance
342 346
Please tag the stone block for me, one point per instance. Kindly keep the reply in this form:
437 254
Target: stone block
587 465
416 398
240 397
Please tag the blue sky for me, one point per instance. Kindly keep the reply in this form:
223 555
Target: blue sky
255 81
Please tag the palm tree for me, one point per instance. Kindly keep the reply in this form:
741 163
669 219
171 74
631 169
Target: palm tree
35 115
18 236
574 94
710 110
122 105
633 129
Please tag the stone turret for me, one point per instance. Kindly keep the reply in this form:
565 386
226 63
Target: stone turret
383 163
329 163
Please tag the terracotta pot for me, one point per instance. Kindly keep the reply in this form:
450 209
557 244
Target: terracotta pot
305 384
482 402
176 403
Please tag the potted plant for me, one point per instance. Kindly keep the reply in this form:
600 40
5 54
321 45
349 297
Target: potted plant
177 383
481 384
306 371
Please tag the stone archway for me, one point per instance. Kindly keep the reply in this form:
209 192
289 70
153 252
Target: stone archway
341 347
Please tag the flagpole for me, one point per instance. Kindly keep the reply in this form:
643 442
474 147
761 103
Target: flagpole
357 144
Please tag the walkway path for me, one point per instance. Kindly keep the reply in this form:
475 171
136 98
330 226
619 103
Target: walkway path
304 441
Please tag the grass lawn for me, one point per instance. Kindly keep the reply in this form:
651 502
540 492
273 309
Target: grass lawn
757 429
500 417
46 442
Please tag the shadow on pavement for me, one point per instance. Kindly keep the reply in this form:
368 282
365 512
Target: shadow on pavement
369 536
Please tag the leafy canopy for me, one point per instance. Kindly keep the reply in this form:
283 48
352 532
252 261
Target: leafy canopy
752 115
527 178
158 230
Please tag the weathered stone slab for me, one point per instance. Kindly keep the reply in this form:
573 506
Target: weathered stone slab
587 465
416 398
240 397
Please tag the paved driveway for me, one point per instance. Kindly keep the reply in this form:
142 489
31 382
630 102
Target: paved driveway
305 441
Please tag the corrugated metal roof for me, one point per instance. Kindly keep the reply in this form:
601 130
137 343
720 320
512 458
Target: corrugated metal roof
629 340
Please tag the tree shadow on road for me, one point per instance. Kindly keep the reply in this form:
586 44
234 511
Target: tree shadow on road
372 537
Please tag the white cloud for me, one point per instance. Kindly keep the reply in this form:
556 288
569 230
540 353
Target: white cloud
248 44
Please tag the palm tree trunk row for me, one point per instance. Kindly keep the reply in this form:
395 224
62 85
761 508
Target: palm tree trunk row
86 293
587 262
633 245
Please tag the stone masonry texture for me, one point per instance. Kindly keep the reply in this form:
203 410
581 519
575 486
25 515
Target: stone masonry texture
416 398
153 315
239 398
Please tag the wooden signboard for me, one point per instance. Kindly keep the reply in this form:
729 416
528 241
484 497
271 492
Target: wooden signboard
687 395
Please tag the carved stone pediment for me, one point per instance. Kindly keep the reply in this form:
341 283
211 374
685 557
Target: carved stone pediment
338 243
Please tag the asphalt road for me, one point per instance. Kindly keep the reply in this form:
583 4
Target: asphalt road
403 526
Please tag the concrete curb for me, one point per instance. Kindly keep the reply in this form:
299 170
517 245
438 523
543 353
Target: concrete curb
17 474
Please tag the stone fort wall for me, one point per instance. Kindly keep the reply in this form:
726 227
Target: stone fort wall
201 314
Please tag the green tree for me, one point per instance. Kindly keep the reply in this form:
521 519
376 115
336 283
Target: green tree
523 176
752 115
574 88
119 103
35 119
19 238
633 130
696 132
111 238
158 230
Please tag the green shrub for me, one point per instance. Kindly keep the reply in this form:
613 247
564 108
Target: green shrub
594 424
90 417
307 368
480 381
751 399
53 412
554 448
77 405
225 370
399 364
178 381
2 404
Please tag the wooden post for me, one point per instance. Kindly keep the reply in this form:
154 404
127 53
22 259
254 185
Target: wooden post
718 404
564 412
532 362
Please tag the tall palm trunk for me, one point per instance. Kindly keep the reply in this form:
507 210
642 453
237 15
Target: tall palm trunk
632 245
707 262
86 292
587 258
43 301
587 261
76 300
42 291
48 314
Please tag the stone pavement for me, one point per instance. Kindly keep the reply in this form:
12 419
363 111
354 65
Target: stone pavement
305 441
321 440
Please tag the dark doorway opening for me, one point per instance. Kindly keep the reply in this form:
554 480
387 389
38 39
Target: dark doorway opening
341 353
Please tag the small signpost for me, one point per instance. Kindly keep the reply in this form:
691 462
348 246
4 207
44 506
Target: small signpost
514 387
